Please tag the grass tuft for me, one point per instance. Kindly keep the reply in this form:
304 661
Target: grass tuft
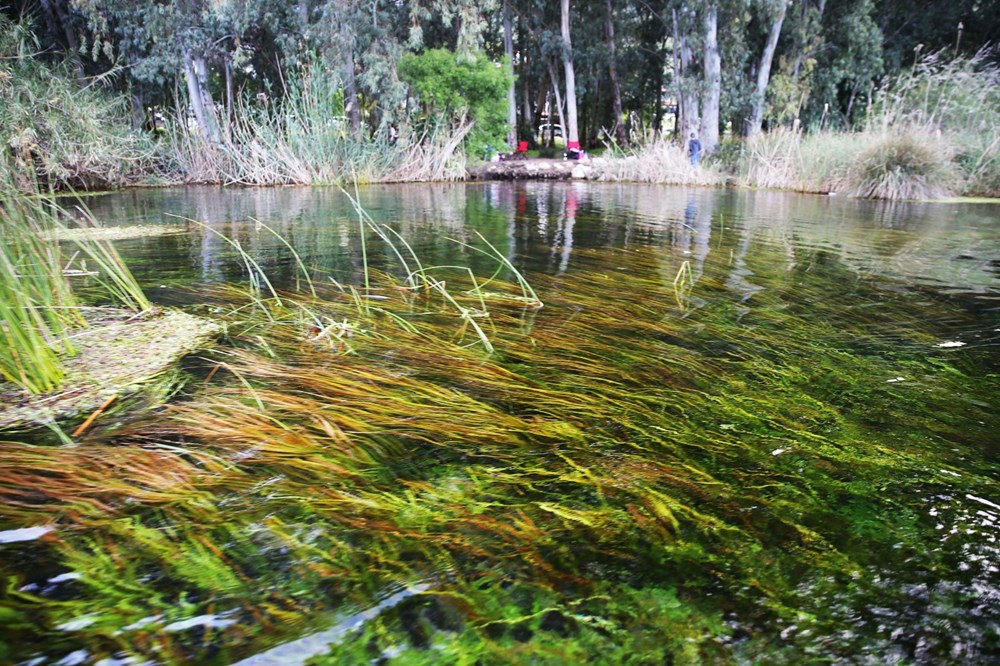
903 165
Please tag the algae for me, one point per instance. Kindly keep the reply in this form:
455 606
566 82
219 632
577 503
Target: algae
119 353
115 233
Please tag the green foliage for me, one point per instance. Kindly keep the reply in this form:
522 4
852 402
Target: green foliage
53 131
846 66
457 87
37 305
904 165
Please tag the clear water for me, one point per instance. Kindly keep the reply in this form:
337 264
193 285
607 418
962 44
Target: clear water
768 434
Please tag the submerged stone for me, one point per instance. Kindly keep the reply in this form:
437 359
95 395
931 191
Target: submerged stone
120 355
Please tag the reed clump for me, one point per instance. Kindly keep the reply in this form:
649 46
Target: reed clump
954 103
657 161
304 139
903 165
931 132
37 306
57 135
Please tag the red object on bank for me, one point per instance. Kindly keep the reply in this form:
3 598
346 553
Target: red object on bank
572 145
522 147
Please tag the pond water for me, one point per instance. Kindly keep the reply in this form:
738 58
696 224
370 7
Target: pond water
746 427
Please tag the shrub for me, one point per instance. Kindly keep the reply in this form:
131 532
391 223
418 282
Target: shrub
57 134
454 86
904 164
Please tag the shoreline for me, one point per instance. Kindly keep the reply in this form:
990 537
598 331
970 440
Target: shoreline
590 170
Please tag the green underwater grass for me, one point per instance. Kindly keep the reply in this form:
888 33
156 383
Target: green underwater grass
624 480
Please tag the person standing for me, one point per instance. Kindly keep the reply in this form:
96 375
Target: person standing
694 149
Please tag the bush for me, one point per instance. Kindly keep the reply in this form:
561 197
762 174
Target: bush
56 134
904 165
452 87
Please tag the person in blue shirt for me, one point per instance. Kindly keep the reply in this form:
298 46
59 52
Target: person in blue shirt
694 149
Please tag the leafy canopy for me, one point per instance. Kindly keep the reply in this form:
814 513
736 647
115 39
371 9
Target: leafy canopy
451 85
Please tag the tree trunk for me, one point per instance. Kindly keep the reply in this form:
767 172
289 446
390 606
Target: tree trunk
58 20
527 113
713 81
616 91
554 75
764 71
229 90
687 101
196 76
350 82
658 82
138 110
543 95
676 58
508 51
572 133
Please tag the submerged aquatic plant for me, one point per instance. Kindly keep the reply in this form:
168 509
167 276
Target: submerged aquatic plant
621 478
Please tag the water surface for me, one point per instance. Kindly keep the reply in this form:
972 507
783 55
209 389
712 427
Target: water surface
747 427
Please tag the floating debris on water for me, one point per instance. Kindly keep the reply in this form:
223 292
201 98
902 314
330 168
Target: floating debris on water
122 354
25 534
116 233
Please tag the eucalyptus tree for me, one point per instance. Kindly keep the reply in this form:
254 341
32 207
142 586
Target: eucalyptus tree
161 42
713 78
777 11
617 126
508 53
849 65
572 131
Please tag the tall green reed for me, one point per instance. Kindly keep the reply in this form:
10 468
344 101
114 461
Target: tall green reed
37 306
37 302
54 132
303 138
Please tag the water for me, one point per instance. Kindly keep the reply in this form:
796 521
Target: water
747 427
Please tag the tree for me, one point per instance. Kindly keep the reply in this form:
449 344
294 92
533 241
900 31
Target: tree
616 90
452 87
572 133
508 51
764 68
713 80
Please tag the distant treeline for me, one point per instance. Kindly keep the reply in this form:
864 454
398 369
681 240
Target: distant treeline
275 92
